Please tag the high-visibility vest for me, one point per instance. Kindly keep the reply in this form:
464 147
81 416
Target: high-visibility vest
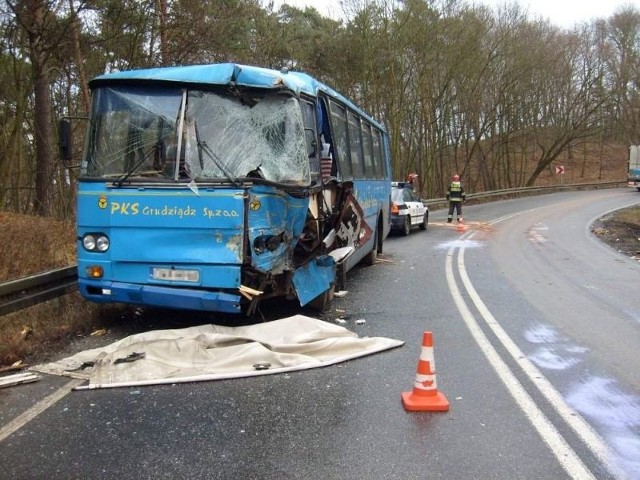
455 192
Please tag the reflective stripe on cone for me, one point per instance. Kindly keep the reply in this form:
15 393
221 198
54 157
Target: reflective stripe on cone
425 395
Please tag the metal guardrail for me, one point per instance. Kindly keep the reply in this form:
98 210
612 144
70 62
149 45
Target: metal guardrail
29 291
437 203
26 292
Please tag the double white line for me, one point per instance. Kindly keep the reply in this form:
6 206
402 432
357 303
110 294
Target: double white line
567 457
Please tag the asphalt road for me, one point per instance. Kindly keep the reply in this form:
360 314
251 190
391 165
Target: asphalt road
535 325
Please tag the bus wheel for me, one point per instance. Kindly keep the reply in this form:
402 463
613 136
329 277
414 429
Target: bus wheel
371 257
322 301
341 277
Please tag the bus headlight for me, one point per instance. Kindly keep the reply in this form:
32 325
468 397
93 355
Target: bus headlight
95 242
102 243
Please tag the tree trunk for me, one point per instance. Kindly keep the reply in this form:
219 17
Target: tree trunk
164 41
35 12
44 134
75 35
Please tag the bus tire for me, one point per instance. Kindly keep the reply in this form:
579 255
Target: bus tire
371 257
322 301
341 277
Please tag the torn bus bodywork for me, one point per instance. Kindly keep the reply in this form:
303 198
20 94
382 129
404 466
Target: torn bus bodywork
293 244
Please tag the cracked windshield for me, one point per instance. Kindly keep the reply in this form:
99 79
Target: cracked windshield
169 134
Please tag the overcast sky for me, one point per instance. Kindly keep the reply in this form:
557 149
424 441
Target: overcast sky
564 13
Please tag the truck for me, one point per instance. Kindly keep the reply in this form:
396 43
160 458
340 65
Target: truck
633 176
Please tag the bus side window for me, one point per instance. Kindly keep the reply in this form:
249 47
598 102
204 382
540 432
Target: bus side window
310 135
369 169
355 145
378 156
341 149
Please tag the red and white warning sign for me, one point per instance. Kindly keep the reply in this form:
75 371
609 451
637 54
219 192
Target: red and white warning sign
560 170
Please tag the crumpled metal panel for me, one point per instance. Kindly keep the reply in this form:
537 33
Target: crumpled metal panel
274 213
217 74
314 278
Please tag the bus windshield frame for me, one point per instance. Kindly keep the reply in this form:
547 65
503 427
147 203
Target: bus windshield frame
169 134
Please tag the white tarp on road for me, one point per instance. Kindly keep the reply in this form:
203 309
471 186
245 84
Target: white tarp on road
213 352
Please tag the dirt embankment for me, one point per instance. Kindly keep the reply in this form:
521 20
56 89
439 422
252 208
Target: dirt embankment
621 231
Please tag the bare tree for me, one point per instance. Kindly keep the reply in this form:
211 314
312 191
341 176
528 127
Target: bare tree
79 57
36 19
570 101
16 176
623 39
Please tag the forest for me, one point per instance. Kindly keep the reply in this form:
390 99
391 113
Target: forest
496 96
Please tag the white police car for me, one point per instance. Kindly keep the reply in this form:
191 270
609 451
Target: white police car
407 209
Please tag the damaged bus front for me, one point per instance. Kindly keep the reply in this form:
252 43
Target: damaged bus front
201 188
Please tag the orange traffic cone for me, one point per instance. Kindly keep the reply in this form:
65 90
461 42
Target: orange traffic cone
425 395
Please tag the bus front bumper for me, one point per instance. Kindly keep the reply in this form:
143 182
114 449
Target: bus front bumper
159 296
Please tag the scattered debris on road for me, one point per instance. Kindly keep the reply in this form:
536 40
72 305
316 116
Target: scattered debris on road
18 378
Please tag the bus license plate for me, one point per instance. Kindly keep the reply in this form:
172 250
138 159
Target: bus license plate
173 275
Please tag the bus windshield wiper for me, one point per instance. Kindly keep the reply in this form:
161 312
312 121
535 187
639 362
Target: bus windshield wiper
218 163
118 183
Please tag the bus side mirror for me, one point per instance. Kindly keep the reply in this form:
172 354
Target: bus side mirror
64 139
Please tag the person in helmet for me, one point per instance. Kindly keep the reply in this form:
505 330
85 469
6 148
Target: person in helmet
455 195
412 180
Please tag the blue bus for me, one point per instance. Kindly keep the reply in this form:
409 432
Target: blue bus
216 187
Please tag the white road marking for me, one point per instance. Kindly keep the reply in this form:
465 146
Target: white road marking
558 445
569 415
20 421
